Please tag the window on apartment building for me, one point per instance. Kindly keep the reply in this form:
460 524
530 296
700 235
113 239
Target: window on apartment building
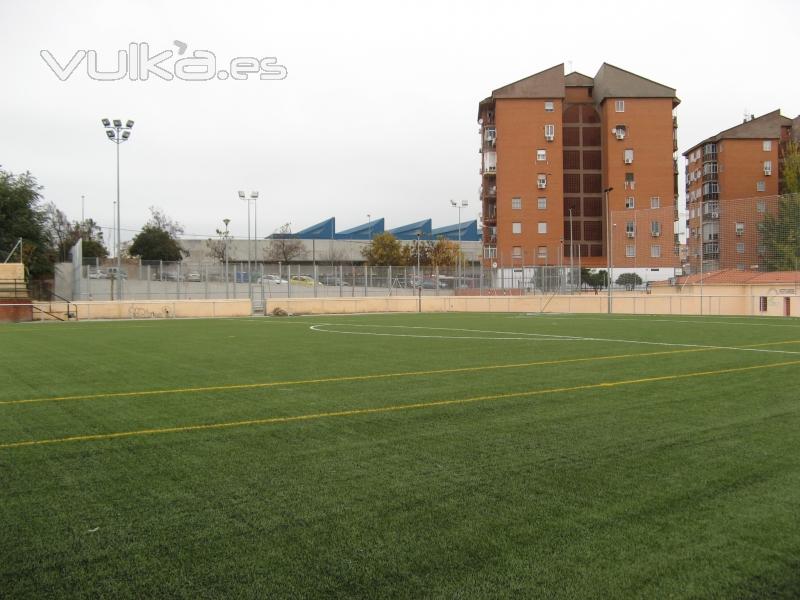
491 134
541 155
627 156
740 247
655 201
620 131
516 252
630 229
762 304
541 181
655 228
740 266
767 145
541 252
541 203
655 251
542 227
767 167
761 186
516 203
739 228
630 250
761 206
619 105
550 132
516 228
549 106
630 184
630 202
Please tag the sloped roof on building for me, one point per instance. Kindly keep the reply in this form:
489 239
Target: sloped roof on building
469 232
767 126
324 230
409 232
363 231
736 277
576 79
545 84
613 82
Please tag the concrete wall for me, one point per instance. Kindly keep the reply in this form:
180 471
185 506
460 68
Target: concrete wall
12 271
147 309
656 304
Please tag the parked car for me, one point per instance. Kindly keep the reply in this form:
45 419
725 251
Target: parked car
194 276
302 280
113 273
331 280
271 279
428 284
97 274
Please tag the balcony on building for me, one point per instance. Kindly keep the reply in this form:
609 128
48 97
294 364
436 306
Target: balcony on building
709 152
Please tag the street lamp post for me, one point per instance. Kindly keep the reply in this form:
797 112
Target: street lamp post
118 133
250 250
609 233
419 276
463 204
225 249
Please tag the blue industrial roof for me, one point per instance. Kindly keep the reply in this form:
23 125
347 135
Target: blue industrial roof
409 232
469 232
321 231
326 230
362 232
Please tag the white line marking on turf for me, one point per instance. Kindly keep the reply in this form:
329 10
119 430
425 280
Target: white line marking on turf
538 336
416 335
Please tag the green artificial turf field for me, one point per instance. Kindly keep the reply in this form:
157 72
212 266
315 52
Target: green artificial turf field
409 456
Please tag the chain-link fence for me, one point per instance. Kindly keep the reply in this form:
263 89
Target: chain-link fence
156 280
744 234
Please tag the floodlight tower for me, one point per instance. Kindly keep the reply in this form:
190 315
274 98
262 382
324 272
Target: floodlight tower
250 250
118 133
455 204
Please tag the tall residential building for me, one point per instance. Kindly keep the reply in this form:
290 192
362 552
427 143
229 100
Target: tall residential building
552 144
732 181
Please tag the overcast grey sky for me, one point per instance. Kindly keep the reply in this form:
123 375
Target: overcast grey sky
378 112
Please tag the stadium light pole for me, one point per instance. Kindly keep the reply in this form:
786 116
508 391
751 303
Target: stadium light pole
250 251
118 133
419 276
463 204
226 221
609 245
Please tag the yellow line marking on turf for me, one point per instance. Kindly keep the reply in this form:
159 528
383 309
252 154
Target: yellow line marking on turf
386 409
245 386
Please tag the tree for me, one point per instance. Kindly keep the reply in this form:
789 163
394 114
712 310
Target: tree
22 216
93 245
443 253
595 280
284 246
790 168
629 280
158 239
386 250
65 235
780 235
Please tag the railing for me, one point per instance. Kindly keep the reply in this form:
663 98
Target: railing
13 288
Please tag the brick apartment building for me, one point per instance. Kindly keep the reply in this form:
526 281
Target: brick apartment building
552 144
732 181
